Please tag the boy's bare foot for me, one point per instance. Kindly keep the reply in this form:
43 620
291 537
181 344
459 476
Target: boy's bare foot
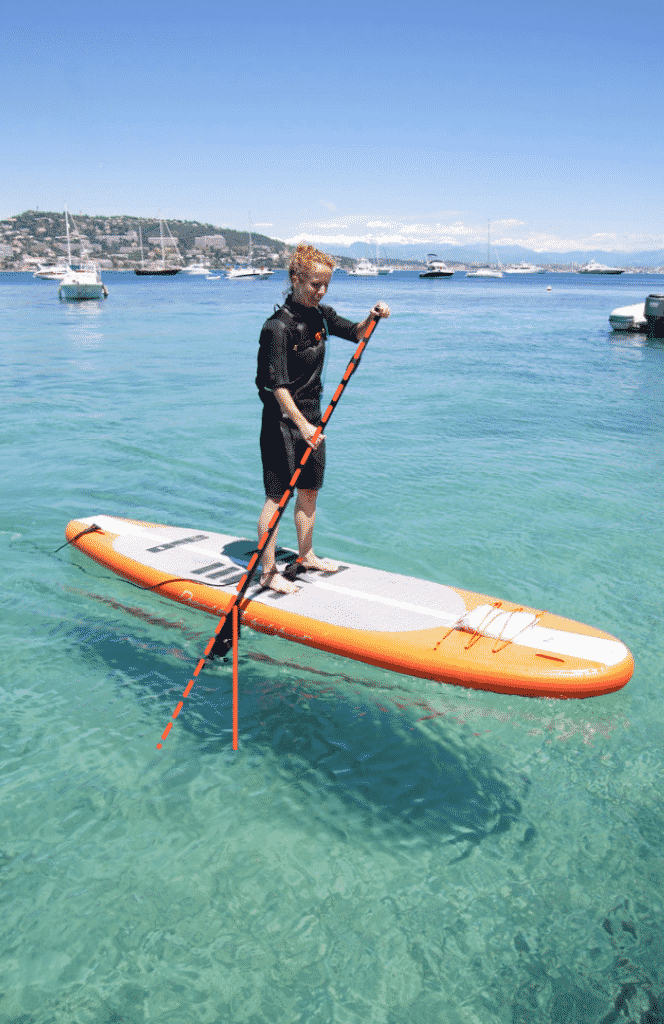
275 581
322 564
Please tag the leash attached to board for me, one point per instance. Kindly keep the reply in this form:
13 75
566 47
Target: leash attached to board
227 631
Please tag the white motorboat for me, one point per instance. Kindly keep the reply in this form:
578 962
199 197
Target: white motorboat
485 272
382 270
197 270
436 267
249 272
599 268
363 268
82 280
523 268
55 273
629 318
489 270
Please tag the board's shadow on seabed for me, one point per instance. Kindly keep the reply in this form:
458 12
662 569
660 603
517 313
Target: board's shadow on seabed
333 739
337 743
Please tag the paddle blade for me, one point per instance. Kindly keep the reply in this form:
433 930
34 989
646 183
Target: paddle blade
224 639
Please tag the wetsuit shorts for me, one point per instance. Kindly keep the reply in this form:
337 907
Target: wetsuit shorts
282 447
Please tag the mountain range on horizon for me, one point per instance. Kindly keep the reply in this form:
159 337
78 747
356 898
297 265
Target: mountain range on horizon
504 254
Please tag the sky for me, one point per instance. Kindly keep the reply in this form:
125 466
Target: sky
343 122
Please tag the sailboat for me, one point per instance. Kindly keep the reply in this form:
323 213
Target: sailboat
81 280
249 272
487 271
382 269
158 269
363 268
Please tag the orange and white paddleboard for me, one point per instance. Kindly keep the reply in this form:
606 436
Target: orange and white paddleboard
397 622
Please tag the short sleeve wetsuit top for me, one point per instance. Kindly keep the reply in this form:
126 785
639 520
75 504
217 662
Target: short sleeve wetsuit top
291 354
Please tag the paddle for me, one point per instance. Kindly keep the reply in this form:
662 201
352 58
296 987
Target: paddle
227 630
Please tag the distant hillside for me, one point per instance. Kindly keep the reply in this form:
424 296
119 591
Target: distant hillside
38 236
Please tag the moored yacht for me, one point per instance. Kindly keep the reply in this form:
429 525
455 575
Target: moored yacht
489 270
363 268
81 280
249 272
599 268
485 272
162 269
629 318
197 269
523 268
436 267
54 273
382 270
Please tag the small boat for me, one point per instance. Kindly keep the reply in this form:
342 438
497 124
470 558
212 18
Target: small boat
629 318
485 272
382 271
249 272
523 268
162 269
54 273
197 270
436 267
654 310
488 271
363 268
599 268
213 277
81 280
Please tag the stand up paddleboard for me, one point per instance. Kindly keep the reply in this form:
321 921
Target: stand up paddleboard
397 622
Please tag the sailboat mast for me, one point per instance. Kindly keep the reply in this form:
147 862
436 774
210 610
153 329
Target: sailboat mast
140 242
488 243
161 239
67 231
250 249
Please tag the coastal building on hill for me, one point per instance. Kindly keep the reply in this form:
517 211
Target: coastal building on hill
39 236
211 242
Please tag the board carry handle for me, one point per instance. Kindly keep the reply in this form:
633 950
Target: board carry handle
227 630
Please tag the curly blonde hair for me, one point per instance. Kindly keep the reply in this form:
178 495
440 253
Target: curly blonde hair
305 258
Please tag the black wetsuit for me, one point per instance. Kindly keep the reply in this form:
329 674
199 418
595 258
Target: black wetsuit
291 354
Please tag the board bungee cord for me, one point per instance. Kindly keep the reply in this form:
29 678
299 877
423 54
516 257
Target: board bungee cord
227 631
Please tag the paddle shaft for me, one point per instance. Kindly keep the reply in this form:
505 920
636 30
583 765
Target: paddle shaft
288 493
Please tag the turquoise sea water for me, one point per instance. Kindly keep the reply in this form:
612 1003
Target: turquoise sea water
380 848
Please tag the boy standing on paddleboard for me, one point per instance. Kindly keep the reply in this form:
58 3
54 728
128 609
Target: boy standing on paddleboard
291 355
